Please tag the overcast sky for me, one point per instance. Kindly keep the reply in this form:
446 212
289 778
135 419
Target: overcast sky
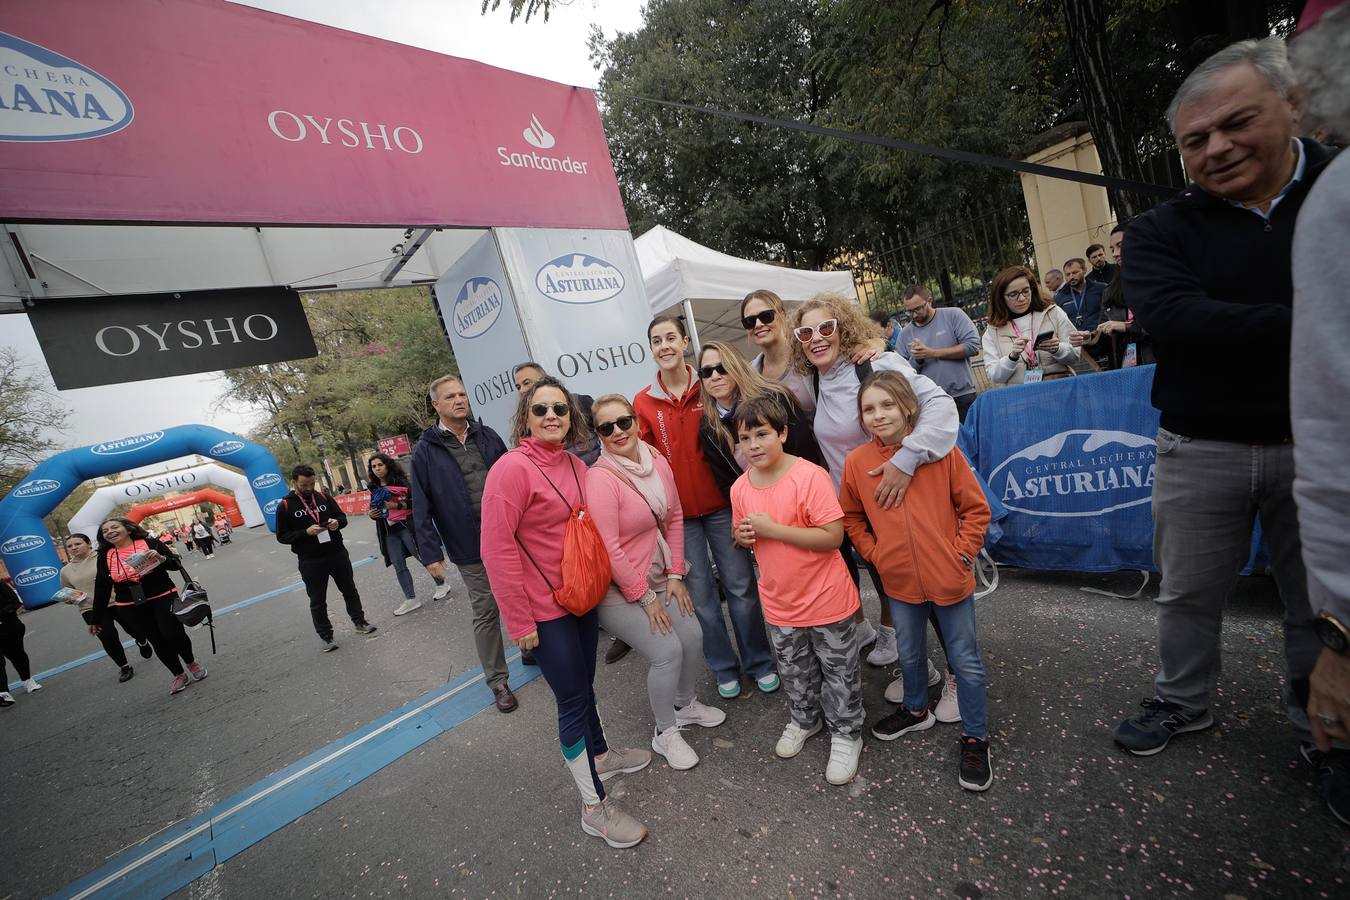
555 50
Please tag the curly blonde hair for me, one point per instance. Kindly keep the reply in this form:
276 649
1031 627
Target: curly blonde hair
854 326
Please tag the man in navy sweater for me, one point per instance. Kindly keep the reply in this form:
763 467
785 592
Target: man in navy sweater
449 468
1080 298
1209 278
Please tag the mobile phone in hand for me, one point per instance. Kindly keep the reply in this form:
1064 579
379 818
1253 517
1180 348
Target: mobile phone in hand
1043 336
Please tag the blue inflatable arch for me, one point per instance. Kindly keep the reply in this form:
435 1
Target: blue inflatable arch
26 547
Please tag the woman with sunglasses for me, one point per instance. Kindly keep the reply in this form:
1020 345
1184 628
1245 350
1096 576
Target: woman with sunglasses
766 323
636 506
527 501
727 379
669 413
1029 339
828 329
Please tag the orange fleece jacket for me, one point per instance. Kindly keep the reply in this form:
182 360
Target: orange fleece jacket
925 549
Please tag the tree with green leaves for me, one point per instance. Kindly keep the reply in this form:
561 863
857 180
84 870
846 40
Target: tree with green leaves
30 416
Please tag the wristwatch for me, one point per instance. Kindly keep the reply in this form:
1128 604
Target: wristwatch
1333 635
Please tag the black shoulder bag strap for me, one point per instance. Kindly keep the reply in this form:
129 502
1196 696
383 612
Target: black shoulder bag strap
861 370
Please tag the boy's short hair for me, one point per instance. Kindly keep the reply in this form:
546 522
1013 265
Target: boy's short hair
761 411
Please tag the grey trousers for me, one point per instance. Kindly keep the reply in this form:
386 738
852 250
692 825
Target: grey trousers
821 673
487 622
674 660
1206 495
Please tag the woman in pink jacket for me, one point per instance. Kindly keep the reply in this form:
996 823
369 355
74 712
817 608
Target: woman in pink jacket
527 501
636 506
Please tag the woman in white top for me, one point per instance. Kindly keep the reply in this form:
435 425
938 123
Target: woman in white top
1018 313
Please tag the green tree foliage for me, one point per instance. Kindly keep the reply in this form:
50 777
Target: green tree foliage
378 351
29 415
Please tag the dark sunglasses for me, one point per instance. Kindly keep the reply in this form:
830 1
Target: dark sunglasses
623 423
763 317
541 409
707 371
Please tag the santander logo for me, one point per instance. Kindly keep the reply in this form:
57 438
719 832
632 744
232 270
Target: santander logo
537 136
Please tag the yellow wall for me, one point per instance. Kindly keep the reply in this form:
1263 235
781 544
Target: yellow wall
1066 216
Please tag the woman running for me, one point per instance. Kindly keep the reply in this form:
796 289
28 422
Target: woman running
12 631
391 508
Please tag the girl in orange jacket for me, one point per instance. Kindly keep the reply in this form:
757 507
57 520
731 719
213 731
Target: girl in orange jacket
925 550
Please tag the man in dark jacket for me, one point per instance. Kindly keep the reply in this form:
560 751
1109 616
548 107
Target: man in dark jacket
311 523
1080 299
449 468
1209 278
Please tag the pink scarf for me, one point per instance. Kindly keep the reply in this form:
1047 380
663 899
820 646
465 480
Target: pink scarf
647 480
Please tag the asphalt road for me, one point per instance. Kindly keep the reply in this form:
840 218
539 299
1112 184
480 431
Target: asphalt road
92 767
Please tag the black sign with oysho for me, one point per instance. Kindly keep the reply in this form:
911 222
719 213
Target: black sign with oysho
130 337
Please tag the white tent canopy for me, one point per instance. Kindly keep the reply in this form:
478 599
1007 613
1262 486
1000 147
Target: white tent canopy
676 269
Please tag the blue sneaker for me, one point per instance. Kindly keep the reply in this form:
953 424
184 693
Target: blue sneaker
729 690
1149 732
768 683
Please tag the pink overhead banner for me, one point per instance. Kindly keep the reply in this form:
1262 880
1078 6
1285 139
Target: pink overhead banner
203 111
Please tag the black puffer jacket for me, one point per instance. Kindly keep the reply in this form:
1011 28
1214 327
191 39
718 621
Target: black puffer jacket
801 441
156 582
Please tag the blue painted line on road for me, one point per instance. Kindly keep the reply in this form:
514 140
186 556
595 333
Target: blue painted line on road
173 859
127 645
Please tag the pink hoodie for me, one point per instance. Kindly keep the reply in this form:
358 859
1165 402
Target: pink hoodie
629 528
519 507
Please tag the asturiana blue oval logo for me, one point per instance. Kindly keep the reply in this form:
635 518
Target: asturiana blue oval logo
271 506
34 575
22 542
37 487
1081 472
225 448
127 444
477 306
271 479
578 278
50 97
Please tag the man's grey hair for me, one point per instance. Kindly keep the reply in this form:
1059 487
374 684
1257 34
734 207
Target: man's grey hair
431 391
1268 56
527 364
1321 59
1058 272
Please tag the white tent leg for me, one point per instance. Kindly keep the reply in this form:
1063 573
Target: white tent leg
692 326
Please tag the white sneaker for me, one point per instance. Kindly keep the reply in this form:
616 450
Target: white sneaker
883 651
6 699
407 606
895 691
867 635
794 737
442 591
31 685
844 756
698 714
670 744
947 709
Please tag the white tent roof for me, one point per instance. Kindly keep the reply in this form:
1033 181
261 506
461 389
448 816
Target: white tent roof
676 269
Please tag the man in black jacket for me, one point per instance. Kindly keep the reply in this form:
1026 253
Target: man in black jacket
311 523
1209 278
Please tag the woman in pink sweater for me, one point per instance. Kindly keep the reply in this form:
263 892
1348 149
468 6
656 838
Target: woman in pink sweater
527 501
636 506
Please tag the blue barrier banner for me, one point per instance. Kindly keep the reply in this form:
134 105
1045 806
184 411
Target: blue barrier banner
1072 462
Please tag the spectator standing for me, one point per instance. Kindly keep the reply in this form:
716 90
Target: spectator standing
1019 314
890 328
1079 298
205 538
79 574
939 343
391 508
1119 341
1102 271
450 467
1224 448
1320 384
12 631
311 524
1054 280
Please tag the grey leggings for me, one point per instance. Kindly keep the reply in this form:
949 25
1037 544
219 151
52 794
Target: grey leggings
675 658
398 542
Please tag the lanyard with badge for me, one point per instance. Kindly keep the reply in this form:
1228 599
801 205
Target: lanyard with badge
1033 373
323 536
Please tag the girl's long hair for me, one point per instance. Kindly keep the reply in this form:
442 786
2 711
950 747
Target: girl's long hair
999 313
750 385
393 472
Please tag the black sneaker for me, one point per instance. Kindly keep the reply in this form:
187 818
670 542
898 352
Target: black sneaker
902 721
128 673
329 645
146 650
617 651
1333 778
364 628
975 773
1149 732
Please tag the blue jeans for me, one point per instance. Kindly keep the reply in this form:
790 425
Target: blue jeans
963 656
399 544
737 574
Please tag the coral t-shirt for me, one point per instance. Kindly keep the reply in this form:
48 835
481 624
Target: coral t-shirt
797 588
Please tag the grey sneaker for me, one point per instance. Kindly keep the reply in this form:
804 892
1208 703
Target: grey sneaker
622 762
618 828
365 627
329 645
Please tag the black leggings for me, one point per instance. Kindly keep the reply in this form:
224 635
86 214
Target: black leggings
155 620
851 560
206 545
11 648
108 636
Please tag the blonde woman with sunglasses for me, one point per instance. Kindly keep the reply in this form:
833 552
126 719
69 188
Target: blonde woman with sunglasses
828 329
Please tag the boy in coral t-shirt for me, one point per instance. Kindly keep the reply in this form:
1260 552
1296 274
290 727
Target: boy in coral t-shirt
786 510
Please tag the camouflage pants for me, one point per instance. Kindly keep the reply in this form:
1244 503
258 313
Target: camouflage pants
821 673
